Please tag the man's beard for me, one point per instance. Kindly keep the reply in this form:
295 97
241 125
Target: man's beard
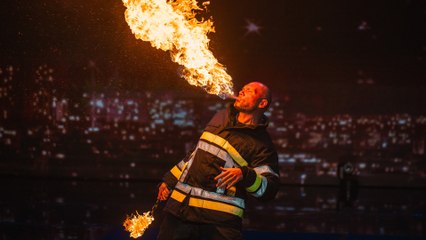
244 109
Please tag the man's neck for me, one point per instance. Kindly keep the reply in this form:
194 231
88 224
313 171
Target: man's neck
248 118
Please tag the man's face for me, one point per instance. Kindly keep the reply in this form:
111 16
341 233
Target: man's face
249 97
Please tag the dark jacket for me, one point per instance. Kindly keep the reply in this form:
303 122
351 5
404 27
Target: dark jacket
224 143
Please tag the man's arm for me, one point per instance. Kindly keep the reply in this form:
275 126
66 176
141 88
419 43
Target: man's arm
261 179
171 177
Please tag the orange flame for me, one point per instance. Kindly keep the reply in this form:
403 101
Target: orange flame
170 25
137 224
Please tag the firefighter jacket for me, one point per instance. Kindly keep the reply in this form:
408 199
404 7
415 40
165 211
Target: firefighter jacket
224 143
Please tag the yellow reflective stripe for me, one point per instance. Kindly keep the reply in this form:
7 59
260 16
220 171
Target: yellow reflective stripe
176 172
212 205
225 145
256 184
217 206
201 193
177 196
262 188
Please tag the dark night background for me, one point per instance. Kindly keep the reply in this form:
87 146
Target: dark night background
91 117
303 44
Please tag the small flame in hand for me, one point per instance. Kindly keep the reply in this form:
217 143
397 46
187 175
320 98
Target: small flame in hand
136 224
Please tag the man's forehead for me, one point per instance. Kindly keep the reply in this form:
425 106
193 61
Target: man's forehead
253 86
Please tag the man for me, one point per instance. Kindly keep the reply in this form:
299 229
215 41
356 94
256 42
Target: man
234 157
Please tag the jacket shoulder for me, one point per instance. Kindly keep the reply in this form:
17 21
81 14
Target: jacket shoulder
219 119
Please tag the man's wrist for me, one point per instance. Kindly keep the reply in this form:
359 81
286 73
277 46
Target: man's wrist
244 171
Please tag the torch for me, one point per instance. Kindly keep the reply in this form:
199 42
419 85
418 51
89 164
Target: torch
136 224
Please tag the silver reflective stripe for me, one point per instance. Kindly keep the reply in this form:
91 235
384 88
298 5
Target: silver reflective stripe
225 145
198 192
262 188
188 166
181 164
220 153
265 169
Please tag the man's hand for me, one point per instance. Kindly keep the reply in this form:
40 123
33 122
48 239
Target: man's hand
228 177
163 192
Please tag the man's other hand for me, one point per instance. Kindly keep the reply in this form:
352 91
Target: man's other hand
163 192
228 177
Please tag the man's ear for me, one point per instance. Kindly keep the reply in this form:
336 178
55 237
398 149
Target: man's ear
263 103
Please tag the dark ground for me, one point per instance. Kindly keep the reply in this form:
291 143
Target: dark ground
55 208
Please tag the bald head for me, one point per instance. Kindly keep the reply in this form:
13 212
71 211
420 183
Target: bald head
264 91
254 96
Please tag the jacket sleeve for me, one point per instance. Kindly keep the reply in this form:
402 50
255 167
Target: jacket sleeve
261 177
173 175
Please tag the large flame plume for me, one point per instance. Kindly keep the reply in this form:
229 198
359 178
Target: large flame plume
171 25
